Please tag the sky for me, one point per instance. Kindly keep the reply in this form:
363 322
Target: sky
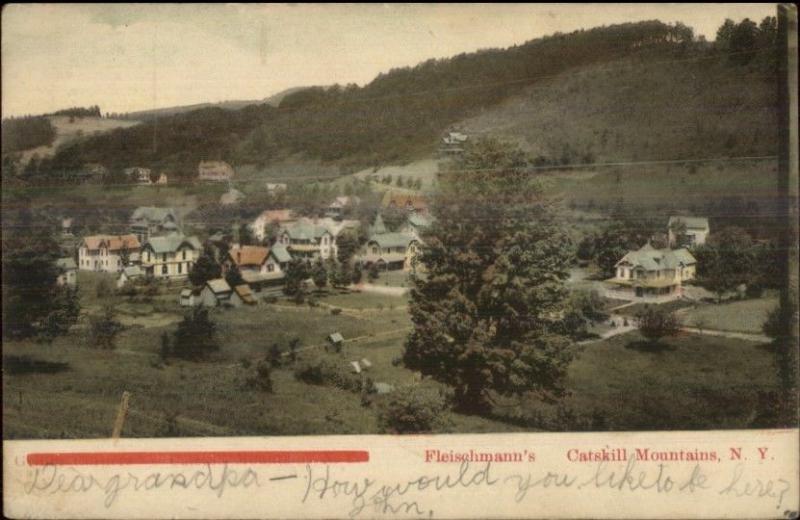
127 57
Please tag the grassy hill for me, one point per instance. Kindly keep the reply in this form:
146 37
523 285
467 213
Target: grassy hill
396 118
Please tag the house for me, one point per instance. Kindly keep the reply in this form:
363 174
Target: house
129 274
162 179
214 171
258 259
148 221
170 256
416 224
242 295
68 272
687 231
453 143
107 253
215 293
271 217
391 251
189 297
66 226
231 197
653 272
138 175
406 201
273 188
313 238
263 284
336 340
337 208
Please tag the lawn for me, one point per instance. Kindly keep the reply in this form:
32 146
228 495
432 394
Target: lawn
690 382
398 278
73 389
636 308
738 316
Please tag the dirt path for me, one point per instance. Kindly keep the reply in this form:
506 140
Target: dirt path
380 289
759 338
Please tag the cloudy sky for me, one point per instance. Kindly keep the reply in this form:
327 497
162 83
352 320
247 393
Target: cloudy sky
137 57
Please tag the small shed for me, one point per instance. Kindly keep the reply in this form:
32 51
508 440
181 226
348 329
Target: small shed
189 297
215 292
336 341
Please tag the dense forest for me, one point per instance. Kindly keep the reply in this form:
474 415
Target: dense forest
23 133
396 117
92 111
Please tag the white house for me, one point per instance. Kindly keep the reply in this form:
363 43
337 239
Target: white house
312 238
189 297
391 251
68 272
687 231
139 175
258 259
170 256
340 204
653 272
106 252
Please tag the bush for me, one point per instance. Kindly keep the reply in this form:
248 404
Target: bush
196 335
336 311
103 330
262 379
329 371
414 409
655 323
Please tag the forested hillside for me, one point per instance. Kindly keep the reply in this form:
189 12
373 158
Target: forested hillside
400 115
26 132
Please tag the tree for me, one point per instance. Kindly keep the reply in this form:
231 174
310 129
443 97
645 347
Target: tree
296 275
319 274
234 276
727 260
195 337
610 246
357 275
125 255
347 245
586 249
414 409
373 273
655 323
103 329
724 34
485 317
206 268
246 236
33 303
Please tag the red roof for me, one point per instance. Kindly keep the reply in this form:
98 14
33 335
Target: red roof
248 255
112 242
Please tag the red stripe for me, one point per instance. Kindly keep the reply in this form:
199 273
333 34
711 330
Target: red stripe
194 457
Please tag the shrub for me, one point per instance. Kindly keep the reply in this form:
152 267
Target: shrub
413 409
103 330
196 335
336 311
262 379
329 371
655 323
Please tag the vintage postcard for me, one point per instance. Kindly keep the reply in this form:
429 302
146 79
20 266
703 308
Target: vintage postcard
400 261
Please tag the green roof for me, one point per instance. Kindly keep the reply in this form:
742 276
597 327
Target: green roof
171 243
378 226
305 231
280 253
153 214
392 239
652 259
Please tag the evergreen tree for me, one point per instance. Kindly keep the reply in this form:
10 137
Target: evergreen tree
346 245
485 317
319 274
234 276
195 337
296 274
32 301
206 268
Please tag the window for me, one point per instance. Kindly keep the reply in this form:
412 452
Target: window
180 266
164 257
184 254
270 267
148 256
164 269
374 250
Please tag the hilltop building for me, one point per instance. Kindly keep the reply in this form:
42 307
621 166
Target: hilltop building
687 231
649 272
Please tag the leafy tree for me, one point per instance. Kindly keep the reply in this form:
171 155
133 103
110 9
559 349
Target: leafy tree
586 248
103 329
485 316
356 275
246 236
296 274
206 268
195 337
319 274
262 379
125 255
727 260
610 246
234 276
655 323
274 355
347 245
373 273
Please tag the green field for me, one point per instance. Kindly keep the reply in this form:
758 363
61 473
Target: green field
739 316
694 381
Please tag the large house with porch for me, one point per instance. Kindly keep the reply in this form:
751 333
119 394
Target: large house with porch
276 217
258 259
650 272
170 256
107 253
314 238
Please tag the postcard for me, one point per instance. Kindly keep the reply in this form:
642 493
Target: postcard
400 261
